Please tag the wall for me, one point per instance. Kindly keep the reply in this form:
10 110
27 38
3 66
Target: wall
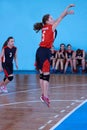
18 16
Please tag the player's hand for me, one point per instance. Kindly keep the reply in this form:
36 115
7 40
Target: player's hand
71 5
70 12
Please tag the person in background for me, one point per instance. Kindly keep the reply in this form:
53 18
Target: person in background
53 59
60 58
69 58
8 53
79 60
43 53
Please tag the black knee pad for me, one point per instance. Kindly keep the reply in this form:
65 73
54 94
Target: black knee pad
46 77
10 78
41 76
4 78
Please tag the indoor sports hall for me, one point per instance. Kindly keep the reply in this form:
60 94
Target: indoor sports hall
21 107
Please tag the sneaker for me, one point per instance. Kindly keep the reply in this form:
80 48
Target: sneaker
4 89
46 100
42 98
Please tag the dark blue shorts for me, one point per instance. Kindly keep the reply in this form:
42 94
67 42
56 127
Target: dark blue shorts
43 59
7 68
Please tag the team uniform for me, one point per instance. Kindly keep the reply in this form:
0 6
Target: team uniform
61 54
53 54
69 54
7 60
43 53
79 54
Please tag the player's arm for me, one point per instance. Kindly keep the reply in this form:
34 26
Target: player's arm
15 60
64 13
1 55
83 55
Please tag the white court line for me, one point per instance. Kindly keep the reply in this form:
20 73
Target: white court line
67 115
31 90
20 92
35 101
14 103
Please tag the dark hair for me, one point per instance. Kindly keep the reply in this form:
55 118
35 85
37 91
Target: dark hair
78 50
6 42
38 26
68 45
62 44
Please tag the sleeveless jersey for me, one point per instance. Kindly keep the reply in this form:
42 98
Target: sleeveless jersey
62 54
69 54
79 54
9 54
47 36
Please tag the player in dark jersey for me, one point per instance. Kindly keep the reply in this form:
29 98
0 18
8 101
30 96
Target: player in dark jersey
53 59
60 58
69 58
79 59
8 53
43 54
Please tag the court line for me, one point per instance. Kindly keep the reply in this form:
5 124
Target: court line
31 90
35 101
62 111
57 124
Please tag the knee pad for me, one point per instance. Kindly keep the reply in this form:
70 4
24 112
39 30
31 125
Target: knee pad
46 77
10 78
41 76
4 78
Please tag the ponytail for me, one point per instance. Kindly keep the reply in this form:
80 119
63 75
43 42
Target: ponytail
37 27
6 42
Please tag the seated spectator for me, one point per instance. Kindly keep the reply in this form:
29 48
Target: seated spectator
79 59
69 58
53 59
60 58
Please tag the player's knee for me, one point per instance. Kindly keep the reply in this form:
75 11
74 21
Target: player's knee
10 78
46 77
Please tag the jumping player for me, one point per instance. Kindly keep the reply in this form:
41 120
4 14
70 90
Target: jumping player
48 27
8 53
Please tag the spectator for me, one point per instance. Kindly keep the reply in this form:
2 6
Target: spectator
53 59
69 58
60 58
79 59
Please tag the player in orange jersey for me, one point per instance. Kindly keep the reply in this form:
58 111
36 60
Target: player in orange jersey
48 27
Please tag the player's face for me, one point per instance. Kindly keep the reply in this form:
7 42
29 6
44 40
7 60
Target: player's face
69 47
62 47
11 42
50 20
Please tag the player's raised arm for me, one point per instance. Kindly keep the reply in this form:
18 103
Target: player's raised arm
64 13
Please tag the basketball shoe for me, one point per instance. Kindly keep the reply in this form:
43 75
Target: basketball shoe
4 89
42 98
46 100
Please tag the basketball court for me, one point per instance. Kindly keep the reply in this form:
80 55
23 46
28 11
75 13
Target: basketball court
21 108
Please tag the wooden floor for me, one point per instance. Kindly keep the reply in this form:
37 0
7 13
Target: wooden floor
21 108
